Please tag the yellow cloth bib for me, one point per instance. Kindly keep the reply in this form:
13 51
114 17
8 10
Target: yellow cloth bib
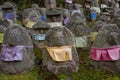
63 53
1 37
30 24
0 15
93 35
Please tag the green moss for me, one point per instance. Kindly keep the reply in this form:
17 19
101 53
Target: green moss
31 75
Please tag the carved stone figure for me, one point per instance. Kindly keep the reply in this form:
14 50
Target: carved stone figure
9 11
17 51
4 24
106 50
39 33
59 42
79 29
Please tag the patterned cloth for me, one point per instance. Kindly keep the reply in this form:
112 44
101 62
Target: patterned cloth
105 54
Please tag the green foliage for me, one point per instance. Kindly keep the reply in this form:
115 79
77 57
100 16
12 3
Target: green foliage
21 5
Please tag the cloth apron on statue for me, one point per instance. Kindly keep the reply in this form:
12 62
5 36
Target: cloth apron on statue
9 15
30 24
63 53
93 35
80 41
38 37
1 37
12 53
105 54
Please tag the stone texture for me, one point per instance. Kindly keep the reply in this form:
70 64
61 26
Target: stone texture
9 7
97 26
53 39
16 35
108 36
77 25
4 24
50 4
116 17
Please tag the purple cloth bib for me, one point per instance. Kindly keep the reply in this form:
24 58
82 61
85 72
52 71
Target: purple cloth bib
12 53
66 20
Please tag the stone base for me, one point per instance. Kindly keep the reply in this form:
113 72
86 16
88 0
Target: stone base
109 66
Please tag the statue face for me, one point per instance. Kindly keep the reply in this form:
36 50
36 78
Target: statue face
33 16
54 18
68 5
58 39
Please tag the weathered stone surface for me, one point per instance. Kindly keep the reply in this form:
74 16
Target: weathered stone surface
4 24
17 36
116 17
77 25
50 4
19 17
98 25
60 36
80 30
9 11
107 37
31 14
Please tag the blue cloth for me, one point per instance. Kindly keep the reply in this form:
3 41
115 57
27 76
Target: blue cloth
43 18
8 15
39 36
93 15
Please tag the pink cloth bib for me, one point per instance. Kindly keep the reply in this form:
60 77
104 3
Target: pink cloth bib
105 54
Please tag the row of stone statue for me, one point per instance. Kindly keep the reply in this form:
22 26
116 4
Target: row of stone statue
58 40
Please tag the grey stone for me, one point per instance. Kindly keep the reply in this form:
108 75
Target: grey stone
97 26
4 24
32 14
107 36
16 35
9 7
77 25
116 17
60 36
50 4
54 11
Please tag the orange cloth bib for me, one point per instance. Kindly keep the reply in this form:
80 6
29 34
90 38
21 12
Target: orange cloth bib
63 53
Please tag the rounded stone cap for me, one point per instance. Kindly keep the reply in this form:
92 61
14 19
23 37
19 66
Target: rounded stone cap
7 5
55 11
